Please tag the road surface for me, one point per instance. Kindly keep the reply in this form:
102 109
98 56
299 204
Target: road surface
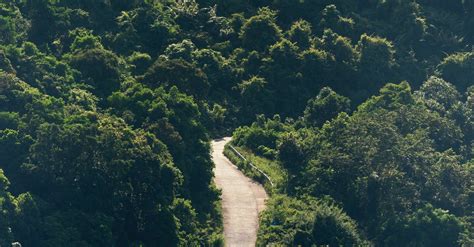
242 199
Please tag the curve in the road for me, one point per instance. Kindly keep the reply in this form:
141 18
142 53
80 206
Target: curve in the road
242 199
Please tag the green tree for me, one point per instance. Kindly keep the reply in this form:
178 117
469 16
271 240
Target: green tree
42 18
300 33
428 226
342 59
182 50
376 61
140 62
439 94
307 222
7 210
107 167
325 106
101 68
260 31
13 26
282 72
255 96
83 39
457 68
179 73
332 19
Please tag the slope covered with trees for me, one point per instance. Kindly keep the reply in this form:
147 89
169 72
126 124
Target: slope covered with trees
107 108
395 172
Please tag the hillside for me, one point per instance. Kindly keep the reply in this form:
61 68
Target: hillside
364 109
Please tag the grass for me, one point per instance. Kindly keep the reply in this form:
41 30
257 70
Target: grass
272 168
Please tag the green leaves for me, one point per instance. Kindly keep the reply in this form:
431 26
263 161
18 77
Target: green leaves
427 226
4 183
180 73
300 33
457 68
260 31
383 163
101 69
325 106
13 26
306 221
104 166
106 109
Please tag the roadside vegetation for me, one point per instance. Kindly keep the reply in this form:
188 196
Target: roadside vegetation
397 171
275 177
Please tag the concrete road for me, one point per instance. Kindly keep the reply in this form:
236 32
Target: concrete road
242 199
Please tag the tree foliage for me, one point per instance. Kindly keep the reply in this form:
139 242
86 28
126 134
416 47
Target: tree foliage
107 109
397 166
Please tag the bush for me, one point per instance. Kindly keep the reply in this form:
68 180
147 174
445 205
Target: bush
306 222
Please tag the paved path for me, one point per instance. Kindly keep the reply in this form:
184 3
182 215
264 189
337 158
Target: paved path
242 199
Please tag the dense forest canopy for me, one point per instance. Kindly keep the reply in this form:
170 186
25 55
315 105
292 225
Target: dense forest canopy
107 108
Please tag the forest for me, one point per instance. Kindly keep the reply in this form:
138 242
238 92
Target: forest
365 109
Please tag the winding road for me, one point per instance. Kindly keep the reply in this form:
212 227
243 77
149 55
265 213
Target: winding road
242 199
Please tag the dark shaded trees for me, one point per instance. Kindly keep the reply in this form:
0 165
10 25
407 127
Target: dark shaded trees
325 106
101 69
456 69
260 31
179 73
